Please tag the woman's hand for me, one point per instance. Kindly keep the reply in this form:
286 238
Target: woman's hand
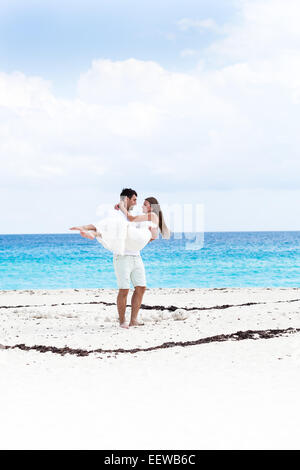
154 233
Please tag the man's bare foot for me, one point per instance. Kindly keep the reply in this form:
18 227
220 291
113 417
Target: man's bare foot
136 323
124 325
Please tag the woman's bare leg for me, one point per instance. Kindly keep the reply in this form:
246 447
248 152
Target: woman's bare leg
84 227
87 231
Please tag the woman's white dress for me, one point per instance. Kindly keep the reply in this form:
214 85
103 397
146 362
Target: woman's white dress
118 235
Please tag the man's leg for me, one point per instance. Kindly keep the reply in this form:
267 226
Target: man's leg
136 302
121 303
138 277
122 270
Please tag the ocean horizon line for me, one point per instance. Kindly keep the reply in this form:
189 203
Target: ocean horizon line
206 231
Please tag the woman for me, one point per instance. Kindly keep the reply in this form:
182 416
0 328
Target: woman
118 236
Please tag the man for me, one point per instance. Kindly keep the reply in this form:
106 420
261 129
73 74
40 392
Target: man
130 267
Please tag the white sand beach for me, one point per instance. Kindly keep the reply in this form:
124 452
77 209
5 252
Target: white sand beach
187 379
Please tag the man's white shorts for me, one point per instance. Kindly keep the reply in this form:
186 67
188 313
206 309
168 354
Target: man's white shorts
129 268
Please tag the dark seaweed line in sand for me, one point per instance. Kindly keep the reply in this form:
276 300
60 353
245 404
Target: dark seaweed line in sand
170 308
238 336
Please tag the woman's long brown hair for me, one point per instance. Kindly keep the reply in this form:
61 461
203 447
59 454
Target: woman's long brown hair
155 207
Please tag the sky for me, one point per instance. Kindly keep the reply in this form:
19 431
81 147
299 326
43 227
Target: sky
188 101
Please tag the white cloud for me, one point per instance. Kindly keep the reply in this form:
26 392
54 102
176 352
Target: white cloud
230 125
19 91
264 29
208 24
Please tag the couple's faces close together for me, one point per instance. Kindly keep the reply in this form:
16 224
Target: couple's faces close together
131 202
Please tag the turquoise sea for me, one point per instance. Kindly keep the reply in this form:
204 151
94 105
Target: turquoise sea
228 259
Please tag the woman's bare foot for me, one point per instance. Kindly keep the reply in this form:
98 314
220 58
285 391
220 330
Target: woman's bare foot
124 325
87 234
136 323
